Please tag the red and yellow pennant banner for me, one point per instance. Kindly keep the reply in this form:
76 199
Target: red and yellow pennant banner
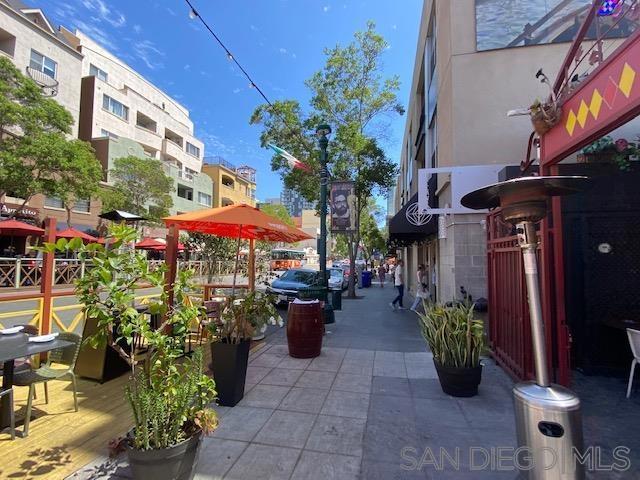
609 97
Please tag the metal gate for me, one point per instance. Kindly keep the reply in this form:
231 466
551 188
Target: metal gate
509 330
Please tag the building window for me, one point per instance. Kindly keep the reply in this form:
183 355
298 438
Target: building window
82 205
43 64
53 202
115 107
193 150
185 192
98 72
204 199
107 133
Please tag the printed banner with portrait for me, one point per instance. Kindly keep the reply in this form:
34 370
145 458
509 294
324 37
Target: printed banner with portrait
343 207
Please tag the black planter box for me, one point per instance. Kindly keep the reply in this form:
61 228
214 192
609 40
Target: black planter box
229 366
459 382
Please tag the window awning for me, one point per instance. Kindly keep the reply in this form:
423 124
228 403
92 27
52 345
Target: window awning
409 225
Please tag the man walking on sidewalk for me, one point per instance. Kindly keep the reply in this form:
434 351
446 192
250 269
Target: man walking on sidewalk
398 277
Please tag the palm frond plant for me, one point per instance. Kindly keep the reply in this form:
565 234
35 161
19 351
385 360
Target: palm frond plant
232 333
456 340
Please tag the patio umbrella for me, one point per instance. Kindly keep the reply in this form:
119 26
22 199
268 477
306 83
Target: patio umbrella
237 221
149 243
74 233
16 228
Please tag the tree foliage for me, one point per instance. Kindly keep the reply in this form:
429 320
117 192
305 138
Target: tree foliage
212 249
352 94
139 186
36 154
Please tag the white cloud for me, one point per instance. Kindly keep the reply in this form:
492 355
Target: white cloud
237 90
97 34
253 27
283 51
137 28
394 26
326 8
104 13
294 56
150 55
215 146
187 67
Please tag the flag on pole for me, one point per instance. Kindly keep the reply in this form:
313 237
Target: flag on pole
293 161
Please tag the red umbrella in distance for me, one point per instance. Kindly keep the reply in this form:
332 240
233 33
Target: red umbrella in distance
71 232
16 228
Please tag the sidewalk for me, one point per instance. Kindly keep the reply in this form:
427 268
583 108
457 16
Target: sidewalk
370 407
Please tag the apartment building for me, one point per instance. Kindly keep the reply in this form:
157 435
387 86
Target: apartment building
231 185
43 53
474 62
117 103
294 202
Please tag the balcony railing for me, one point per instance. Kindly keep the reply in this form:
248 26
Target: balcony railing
186 175
48 84
218 160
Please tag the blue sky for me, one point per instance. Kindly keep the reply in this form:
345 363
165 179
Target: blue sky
279 42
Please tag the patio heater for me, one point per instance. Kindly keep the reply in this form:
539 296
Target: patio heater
548 418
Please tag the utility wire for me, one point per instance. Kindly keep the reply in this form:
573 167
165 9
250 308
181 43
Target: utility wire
194 14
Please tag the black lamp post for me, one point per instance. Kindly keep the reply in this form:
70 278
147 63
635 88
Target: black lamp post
322 131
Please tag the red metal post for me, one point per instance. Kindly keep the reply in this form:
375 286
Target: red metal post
171 260
46 280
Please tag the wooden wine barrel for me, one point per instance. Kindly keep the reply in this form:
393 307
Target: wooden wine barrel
305 327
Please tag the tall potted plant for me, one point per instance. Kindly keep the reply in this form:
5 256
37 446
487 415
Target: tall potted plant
456 340
239 322
169 395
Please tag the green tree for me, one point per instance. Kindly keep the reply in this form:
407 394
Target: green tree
139 185
36 153
372 238
212 249
352 95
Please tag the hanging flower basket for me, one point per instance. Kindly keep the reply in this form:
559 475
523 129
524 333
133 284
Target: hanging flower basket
544 116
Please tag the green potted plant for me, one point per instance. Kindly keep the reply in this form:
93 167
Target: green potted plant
169 394
456 340
606 150
239 322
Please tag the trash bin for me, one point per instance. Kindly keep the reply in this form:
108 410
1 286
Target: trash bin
366 279
336 299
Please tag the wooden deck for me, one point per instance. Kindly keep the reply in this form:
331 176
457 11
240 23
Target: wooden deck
61 440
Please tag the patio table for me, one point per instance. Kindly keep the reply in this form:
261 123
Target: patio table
9 352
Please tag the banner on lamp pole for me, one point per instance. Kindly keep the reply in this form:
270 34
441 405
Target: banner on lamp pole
343 207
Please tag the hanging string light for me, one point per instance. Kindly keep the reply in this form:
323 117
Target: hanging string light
193 14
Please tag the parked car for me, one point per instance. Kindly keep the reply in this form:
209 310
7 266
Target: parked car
337 279
288 286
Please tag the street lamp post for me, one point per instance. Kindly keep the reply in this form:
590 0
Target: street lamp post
322 131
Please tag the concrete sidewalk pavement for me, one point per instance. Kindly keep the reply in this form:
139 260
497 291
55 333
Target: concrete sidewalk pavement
369 407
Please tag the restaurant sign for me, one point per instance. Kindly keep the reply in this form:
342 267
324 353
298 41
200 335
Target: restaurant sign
7 209
608 98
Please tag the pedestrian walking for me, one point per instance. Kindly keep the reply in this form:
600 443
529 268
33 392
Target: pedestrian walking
382 274
422 290
398 281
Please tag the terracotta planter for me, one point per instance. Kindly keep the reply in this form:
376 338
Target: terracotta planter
174 463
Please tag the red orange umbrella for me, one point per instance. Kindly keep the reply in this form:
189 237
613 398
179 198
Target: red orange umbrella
150 244
237 221
74 233
19 229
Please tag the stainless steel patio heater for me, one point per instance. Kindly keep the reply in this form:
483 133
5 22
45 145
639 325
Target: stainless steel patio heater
548 419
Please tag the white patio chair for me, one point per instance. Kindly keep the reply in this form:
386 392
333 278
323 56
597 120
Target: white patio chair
634 343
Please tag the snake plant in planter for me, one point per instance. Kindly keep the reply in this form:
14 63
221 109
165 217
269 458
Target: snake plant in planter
456 340
169 395
232 333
